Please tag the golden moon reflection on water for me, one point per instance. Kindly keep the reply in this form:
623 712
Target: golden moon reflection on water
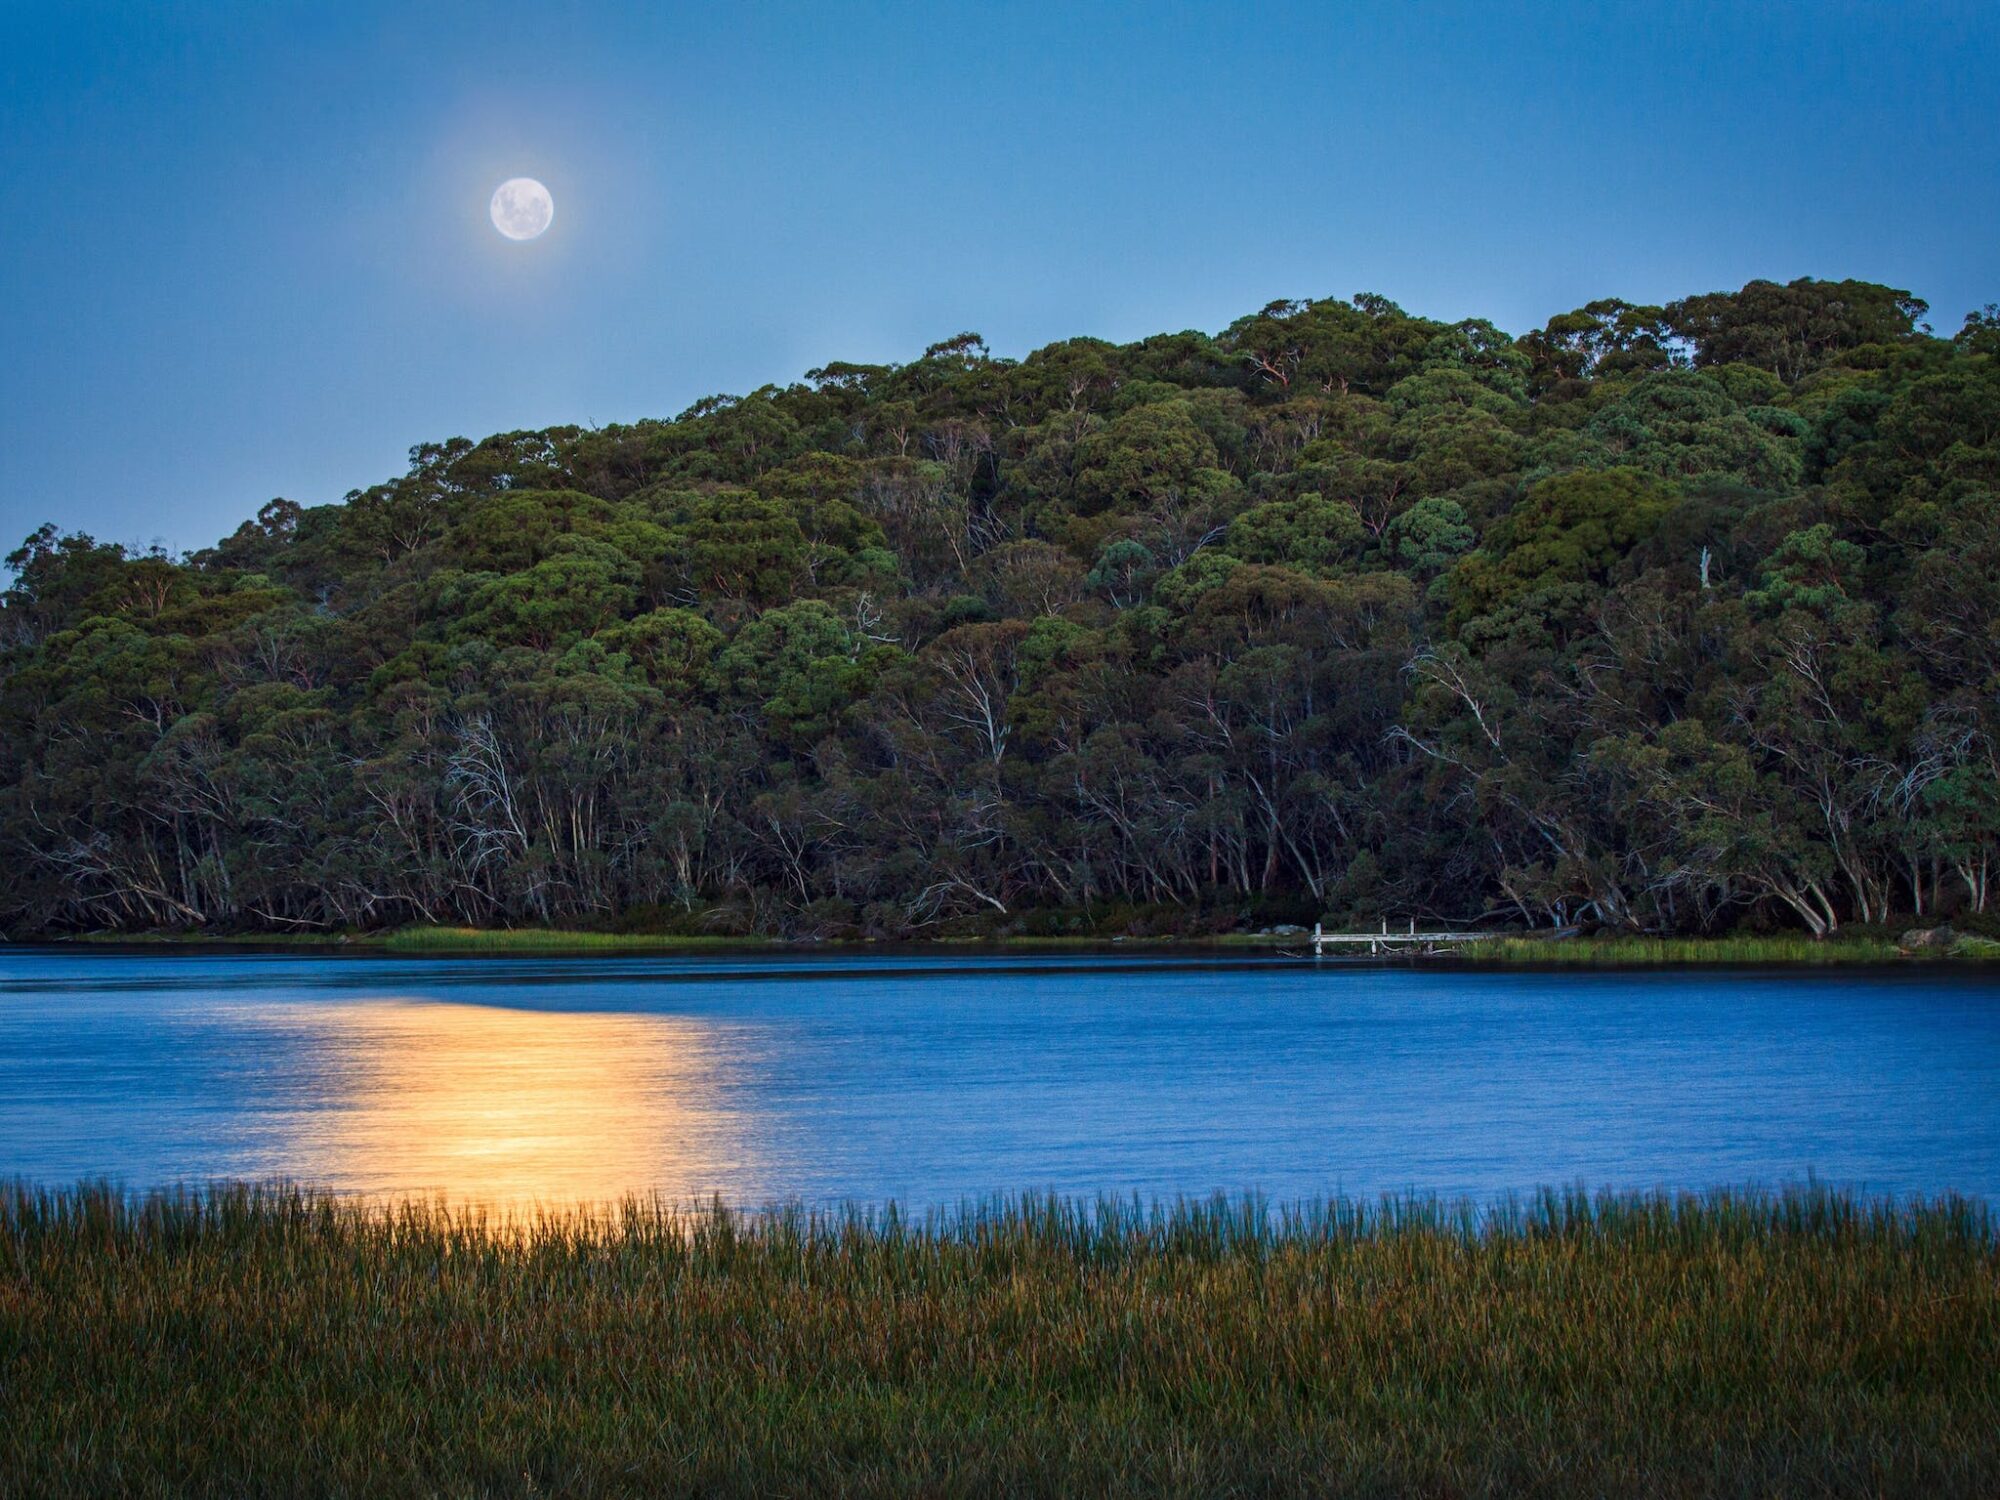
515 1111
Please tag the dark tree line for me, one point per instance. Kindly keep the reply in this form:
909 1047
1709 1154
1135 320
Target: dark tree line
1660 618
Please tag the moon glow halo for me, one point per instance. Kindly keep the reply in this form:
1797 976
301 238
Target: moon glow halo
522 208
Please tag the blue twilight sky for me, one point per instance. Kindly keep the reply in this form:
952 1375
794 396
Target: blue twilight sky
245 250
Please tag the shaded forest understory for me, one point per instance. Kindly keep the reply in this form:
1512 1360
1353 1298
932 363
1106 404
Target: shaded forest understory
1665 620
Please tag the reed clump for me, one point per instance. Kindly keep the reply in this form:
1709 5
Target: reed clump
247 1341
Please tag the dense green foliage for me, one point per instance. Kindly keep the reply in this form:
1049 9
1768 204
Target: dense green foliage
1660 619
242 1344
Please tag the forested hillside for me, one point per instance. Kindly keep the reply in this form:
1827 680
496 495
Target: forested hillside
1664 619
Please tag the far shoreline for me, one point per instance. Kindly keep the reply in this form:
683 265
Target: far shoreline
1502 951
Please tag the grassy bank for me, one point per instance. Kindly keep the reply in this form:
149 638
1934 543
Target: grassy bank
547 940
1624 951
250 1343
198 939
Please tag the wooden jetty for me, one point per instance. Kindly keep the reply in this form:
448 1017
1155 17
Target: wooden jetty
1386 941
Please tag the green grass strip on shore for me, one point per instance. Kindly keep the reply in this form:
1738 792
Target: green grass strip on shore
547 940
1634 951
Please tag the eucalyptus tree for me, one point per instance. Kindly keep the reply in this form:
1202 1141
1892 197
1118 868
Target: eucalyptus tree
1659 617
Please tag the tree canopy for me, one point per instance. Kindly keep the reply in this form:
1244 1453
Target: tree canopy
1660 618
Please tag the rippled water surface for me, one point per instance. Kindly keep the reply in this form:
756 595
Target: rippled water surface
931 1079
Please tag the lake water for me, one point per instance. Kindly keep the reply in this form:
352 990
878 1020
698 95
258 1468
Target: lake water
931 1079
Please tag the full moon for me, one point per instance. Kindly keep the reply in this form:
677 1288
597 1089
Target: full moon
522 208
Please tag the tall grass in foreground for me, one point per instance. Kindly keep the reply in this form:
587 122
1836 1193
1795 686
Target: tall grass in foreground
546 940
249 1341
1626 951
